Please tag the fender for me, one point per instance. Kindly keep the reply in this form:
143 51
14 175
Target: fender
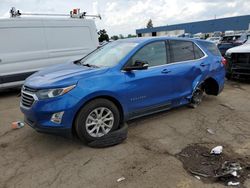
104 94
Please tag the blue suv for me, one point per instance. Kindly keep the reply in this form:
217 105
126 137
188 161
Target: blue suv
120 81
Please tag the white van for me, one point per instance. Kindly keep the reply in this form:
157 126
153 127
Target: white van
30 44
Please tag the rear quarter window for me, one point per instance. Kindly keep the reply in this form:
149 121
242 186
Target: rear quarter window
211 47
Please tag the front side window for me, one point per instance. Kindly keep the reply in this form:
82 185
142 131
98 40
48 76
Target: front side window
154 54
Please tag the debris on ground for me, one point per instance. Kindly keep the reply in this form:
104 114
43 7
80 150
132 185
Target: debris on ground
227 168
120 179
17 125
233 183
227 106
198 177
217 150
210 131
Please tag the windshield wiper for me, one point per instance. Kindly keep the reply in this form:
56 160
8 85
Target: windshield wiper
89 65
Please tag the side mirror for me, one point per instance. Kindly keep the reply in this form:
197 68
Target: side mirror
139 65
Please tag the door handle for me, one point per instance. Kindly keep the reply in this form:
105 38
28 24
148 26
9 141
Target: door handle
204 64
165 71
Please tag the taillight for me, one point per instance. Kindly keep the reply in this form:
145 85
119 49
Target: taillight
224 61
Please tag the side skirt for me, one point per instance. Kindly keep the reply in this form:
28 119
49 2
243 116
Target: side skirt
150 110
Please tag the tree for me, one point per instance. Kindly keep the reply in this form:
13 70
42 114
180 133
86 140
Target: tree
103 36
150 24
115 37
131 36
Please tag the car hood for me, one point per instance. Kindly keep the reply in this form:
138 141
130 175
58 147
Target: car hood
61 75
245 48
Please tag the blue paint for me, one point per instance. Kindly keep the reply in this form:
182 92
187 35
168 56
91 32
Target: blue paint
135 91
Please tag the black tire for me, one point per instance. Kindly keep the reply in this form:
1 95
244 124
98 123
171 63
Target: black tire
80 123
197 97
111 139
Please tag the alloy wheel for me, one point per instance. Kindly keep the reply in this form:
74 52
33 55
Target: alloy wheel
99 122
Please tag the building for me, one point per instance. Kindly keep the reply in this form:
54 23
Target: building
209 26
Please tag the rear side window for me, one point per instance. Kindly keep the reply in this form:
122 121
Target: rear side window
212 48
184 51
154 54
197 52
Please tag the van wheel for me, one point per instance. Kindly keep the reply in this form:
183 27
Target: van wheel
96 119
197 97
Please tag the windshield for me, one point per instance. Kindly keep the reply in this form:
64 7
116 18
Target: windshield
108 55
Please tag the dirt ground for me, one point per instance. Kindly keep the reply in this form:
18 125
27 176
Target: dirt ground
146 159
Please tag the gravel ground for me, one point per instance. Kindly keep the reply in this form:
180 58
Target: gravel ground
146 159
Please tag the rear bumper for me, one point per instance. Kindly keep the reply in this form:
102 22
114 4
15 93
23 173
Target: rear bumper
65 132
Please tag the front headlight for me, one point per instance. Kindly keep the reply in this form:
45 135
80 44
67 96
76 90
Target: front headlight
51 93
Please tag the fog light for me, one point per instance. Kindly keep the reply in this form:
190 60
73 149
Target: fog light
57 117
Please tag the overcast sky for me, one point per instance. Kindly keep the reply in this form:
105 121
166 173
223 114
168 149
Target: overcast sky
125 16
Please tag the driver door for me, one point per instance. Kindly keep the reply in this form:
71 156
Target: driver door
149 89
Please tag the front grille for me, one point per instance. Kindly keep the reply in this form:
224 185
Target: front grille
27 97
29 89
241 58
27 100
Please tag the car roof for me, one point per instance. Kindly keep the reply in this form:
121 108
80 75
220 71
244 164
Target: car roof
151 39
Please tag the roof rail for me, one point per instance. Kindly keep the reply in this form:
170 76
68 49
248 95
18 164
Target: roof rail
75 13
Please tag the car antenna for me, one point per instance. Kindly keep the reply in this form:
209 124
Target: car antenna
75 13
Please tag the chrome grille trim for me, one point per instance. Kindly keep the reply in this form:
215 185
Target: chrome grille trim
28 97
29 89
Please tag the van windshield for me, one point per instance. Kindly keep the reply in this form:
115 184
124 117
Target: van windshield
109 55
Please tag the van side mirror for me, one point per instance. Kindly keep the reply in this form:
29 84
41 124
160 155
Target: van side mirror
138 65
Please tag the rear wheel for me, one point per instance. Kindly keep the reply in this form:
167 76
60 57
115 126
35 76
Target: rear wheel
197 97
96 119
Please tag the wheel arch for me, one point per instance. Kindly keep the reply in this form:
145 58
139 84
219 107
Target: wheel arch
108 97
211 86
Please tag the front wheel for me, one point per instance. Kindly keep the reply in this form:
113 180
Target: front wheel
98 118
197 97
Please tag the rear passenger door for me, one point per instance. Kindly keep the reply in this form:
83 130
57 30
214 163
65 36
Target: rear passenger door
186 66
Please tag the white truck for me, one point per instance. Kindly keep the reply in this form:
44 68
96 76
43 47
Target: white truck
29 44
238 60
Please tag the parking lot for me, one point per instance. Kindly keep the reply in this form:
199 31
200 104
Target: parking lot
146 159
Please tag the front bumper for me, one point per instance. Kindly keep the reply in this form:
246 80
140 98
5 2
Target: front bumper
65 132
237 65
38 116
